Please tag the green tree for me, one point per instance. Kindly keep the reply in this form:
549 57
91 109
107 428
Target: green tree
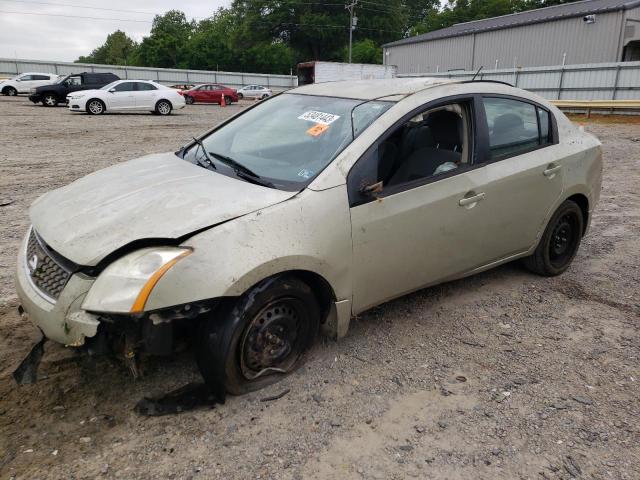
118 49
165 47
364 51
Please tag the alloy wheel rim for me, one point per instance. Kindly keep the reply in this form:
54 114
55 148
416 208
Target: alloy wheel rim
12 92
272 341
163 108
49 100
95 107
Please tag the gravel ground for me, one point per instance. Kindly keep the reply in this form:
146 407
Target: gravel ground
504 375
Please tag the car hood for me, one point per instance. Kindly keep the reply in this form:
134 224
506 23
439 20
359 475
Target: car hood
93 91
157 196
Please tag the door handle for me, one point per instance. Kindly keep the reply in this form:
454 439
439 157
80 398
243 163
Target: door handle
551 169
469 200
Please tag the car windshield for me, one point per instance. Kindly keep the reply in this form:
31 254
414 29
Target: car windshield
289 139
110 85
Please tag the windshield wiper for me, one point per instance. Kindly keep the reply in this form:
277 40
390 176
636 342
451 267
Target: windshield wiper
242 171
206 154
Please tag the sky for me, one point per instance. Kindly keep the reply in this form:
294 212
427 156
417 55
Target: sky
51 29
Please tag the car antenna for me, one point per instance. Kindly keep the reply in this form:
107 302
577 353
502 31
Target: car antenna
474 77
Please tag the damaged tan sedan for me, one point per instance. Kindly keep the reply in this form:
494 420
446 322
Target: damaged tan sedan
302 211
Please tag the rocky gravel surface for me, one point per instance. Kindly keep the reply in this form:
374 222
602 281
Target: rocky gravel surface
504 375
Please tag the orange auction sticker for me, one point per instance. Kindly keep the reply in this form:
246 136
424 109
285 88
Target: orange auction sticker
317 129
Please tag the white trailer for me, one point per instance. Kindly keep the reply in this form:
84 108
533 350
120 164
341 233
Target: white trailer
320 72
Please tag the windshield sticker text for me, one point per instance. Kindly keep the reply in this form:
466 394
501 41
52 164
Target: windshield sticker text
319 117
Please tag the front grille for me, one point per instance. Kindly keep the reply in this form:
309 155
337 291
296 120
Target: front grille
47 274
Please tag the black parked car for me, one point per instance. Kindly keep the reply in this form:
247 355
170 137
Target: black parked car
52 94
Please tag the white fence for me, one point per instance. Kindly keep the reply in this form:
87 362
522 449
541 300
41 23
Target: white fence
10 67
597 81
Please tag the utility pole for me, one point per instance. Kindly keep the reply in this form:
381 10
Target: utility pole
353 21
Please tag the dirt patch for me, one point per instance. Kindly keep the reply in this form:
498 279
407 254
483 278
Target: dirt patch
499 376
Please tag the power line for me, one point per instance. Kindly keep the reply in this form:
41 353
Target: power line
79 6
77 16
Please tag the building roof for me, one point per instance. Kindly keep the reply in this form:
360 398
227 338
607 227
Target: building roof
370 89
547 14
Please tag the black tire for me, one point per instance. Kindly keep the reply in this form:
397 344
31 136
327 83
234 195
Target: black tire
240 96
164 107
269 327
189 100
559 243
228 100
50 100
10 91
95 106
264 96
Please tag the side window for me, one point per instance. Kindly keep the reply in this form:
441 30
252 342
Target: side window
40 77
74 81
433 143
124 87
26 78
513 127
145 86
544 120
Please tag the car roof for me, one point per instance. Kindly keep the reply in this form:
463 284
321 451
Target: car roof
36 73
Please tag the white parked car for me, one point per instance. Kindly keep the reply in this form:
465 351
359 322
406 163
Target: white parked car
24 82
254 91
126 95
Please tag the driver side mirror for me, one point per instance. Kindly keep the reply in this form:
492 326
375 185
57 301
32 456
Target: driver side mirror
18 80
372 190
111 90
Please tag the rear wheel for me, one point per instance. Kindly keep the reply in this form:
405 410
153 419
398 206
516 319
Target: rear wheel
163 107
189 100
227 100
559 243
95 107
50 100
240 96
12 92
260 338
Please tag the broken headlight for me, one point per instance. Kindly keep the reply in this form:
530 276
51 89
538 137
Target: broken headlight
125 285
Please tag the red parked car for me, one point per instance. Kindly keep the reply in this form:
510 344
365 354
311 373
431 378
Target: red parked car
210 93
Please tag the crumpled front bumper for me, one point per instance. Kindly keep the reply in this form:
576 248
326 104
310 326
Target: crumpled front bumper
35 97
63 321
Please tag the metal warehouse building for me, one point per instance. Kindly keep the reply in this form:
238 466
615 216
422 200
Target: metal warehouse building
591 31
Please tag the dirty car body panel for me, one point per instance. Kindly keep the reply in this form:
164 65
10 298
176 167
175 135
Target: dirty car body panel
358 229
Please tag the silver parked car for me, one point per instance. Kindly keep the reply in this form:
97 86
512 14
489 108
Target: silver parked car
254 91
303 211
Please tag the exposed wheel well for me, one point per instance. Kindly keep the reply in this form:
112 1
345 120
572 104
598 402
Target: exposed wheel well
321 289
583 203
319 286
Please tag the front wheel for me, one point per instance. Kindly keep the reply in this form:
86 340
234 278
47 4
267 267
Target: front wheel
95 107
240 96
163 107
260 338
189 100
559 243
10 91
50 100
